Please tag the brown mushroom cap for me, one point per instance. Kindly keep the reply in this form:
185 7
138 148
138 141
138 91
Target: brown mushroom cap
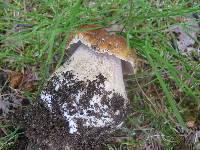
103 42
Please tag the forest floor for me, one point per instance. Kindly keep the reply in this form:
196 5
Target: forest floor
164 93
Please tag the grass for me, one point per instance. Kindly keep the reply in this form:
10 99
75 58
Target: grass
146 25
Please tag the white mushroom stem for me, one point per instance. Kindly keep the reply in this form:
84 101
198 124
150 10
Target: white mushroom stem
107 106
88 64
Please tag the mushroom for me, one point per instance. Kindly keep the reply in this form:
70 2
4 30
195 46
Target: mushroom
88 90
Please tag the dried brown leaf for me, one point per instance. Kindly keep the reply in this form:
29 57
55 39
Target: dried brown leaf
15 79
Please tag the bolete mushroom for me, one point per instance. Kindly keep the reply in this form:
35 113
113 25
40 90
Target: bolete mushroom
88 90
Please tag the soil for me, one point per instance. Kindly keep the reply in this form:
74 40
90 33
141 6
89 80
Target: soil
47 128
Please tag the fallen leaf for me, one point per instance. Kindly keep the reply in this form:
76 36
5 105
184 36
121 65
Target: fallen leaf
15 79
29 86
